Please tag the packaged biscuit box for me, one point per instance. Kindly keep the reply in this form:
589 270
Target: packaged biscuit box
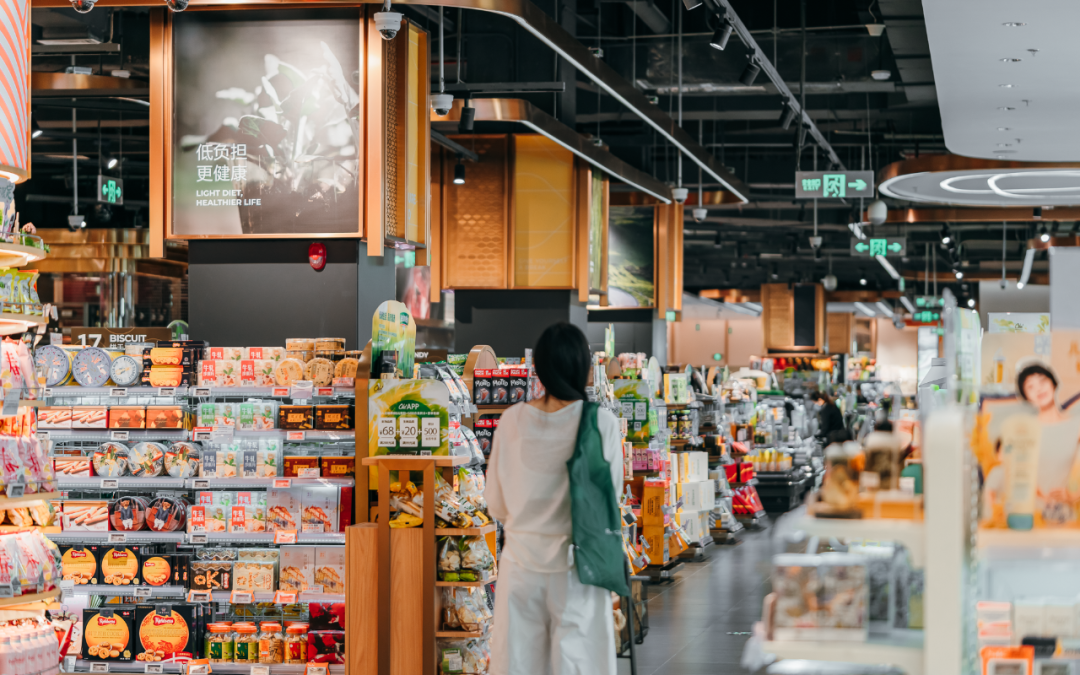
217 507
157 570
257 372
166 633
296 417
120 566
205 415
250 575
260 462
211 575
482 386
108 634
89 417
301 466
224 353
225 414
54 417
165 417
330 569
249 512
333 417
221 461
337 467
283 509
319 509
263 353
219 373
127 417
85 515
297 568
327 615
79 563
69 467
326 646
167 376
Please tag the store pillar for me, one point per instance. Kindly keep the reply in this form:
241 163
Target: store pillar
1064 280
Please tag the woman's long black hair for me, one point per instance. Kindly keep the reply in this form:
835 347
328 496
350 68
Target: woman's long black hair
562 361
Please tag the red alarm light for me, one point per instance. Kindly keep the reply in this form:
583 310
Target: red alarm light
316 255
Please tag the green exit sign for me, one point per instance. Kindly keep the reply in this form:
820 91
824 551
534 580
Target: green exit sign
872 247
926 316
670 315
833 184
929 301
110 190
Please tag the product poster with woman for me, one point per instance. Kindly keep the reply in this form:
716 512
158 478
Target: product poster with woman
1027 440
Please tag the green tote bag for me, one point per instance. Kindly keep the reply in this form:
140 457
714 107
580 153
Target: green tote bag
594 510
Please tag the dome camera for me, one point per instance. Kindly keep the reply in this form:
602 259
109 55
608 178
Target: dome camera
82 6
878 212
388 24
815 242
829 282
177 5
441 104
76 223
897 322
700 215
679 195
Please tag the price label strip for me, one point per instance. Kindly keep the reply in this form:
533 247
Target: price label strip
387 427
241 597
99 667
284 598
117 537
118 392
143 591
153 668
429 432
166 391
409 427
285 537
200 596
198 538
16 490
119 435
260 670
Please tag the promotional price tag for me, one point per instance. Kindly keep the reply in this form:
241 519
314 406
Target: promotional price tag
153 668
118 391
143 591
241 598
11 402
410 428
907 485
324 391
285 537
99 667
166 391
110 483
294 436
344 382
6 591
43 435
16 490
387 427
260 670
309 472
202 391
197 538
202 433
117 537
67 586
282 483
429 432
194 668
284 598
301 389
119 435
46 392
316 669
280 391
200 596
200 484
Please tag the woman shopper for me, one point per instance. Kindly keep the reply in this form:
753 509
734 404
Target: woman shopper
546 621
830 419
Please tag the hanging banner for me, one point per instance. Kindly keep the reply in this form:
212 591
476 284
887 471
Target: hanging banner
393 330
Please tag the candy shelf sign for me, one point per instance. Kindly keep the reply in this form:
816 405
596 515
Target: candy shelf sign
875 246
833 184
110 190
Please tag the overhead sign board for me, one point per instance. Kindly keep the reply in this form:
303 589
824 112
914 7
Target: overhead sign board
922 301
872 247
114 337
110 190
833 184
926 316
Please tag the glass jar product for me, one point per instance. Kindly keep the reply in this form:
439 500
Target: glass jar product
220 643
246 649
296 643
271 643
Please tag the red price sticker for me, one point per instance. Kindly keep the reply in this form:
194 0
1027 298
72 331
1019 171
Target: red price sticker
280 391
282 483
241 598
294 436
325 391
284 597
285 537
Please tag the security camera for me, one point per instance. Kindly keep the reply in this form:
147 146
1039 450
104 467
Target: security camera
878 212
680 194
897 322
441 104
1004 284
177 5
76 223
815 242
829 282
82 6
700 215
388 24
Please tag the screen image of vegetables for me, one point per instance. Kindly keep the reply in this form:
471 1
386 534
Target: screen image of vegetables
630 256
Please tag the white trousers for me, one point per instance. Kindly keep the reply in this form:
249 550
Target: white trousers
550 624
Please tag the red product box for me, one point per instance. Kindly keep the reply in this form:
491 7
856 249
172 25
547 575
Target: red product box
345 507
732 471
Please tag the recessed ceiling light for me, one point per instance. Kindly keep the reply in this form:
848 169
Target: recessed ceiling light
1007 86
1005 107
1010 60
1014 24
1004 129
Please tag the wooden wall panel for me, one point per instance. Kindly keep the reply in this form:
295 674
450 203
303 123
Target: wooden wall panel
407 601
777 316
838 333
476 233
544 213
362 582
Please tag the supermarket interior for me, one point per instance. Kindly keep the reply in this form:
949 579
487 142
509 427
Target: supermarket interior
818 316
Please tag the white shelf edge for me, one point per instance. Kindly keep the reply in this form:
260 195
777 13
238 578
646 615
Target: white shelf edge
908 656
910 533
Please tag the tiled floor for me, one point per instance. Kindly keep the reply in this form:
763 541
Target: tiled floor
699 623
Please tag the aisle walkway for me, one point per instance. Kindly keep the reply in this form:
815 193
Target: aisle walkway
699 623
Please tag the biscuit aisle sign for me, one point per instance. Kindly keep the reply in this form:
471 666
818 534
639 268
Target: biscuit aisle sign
117 337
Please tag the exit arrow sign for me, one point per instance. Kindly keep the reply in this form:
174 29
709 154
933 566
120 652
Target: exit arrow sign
858 184
834 184
875 246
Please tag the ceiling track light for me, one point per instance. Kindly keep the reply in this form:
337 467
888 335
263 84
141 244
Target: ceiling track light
82 6
959 275
468 116
788 117
459 172
1036 213
750 72
111 164
722 34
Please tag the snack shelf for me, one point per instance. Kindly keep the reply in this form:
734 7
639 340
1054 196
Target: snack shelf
464 531
19 323
904 653
7 502
138 537
440 460
458 634
83 666
76 391
249 483
266 538
1044 543
268 596
309 434
104 589
19 255
96 483
101 435
265 392
910 533
451 584
29 597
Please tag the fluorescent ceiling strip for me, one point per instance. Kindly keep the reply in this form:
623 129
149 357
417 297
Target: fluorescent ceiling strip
864 309
742 308
907 303
885 309
753 305
888 267
1029 258
590 160
614 94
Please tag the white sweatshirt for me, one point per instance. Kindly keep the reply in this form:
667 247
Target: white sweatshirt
528 485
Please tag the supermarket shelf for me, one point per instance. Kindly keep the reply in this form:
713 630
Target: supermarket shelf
105 589
11 323
249 483
28 598
452 584
905 653
266 538
910 533
267 392
8 502
1041 543
95 482
83 666
101 435
268 596
492 408
140 537
464 532
348 435
20 255
79 392
458 634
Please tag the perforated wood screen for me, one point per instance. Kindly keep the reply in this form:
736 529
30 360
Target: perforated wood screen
476 232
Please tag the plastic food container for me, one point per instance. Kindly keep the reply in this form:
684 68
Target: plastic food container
271 643
296 643
220 643
246 646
